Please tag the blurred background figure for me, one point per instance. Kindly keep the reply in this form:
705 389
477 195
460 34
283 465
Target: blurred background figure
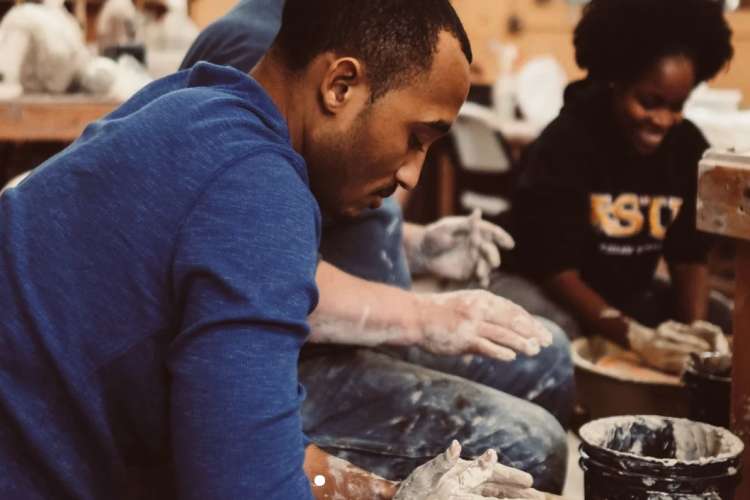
43 49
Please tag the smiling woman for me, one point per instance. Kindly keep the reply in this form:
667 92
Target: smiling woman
609 187
679 44
647 109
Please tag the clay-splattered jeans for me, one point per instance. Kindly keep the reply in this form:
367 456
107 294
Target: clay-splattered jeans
390 411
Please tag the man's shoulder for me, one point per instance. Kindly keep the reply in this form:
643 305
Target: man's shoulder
204 91
213 114
208 84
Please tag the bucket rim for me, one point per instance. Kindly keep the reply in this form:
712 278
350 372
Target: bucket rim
685 474
586 433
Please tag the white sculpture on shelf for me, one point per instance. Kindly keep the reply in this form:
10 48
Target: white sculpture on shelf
116 23
44 51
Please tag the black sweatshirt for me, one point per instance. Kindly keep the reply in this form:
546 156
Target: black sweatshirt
586 200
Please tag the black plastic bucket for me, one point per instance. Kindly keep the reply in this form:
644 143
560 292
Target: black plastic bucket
658 458
708 380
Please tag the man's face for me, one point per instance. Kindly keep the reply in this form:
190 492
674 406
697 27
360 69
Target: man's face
367 153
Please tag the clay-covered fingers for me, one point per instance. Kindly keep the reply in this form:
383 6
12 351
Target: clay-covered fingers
487 471
491 233
711 334
506 492
449 458
684 341
478 472
527 325
488 259
684 335
668 358
721 344
505 313
487 237
482 273
424 477
509 338
489 252
508 476
667 350
675 346
497 235
484 347
475 233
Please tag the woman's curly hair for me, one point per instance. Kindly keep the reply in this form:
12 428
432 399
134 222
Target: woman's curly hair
619 40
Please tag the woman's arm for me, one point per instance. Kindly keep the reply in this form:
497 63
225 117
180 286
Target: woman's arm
690 283
596 315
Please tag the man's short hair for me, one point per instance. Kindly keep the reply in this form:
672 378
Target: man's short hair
395 39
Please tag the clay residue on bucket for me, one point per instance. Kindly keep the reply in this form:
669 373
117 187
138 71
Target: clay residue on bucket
711 365
663 440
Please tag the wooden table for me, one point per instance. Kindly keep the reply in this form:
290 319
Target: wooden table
50 118
724 209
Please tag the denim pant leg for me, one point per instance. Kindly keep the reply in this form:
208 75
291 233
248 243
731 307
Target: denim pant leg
388 416
545 379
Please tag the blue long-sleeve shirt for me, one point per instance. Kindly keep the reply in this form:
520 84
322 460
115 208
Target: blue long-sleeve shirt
156 279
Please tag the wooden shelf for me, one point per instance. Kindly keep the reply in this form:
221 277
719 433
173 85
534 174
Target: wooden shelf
50 118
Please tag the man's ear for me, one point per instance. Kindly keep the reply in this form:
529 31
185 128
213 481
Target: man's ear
343 82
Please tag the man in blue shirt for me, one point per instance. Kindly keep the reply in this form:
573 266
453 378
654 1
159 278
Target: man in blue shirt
362 419
159 272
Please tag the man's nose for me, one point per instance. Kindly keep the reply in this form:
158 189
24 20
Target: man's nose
408 175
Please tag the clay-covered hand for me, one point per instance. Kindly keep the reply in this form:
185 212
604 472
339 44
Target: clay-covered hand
709 332
448 477
478 322
459 248
668 347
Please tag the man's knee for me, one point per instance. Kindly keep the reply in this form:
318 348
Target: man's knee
550 376
558 353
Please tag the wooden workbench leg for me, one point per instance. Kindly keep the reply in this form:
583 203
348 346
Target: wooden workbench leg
741 362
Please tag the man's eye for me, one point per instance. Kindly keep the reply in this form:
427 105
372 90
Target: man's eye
415 143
